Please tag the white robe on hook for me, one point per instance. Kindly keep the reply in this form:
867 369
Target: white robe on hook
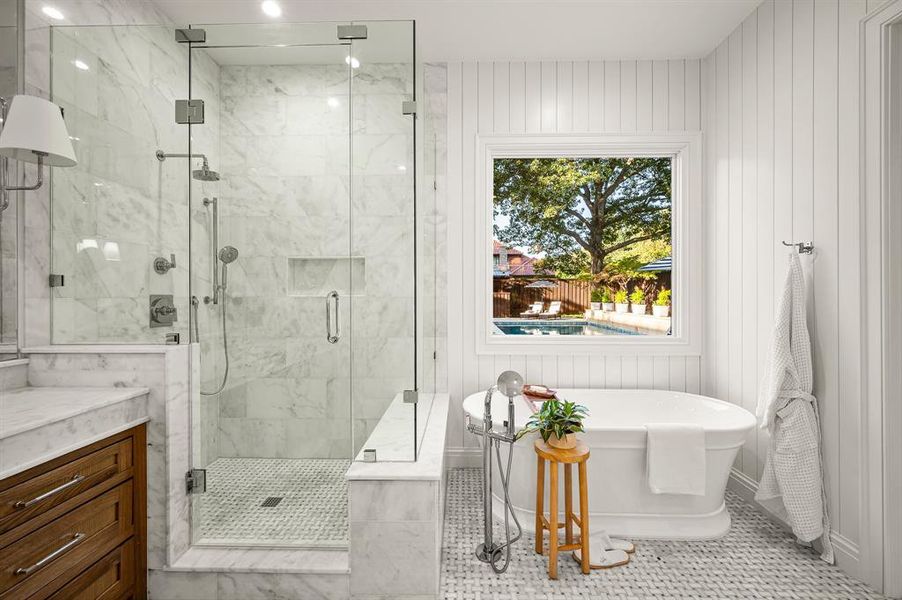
792 485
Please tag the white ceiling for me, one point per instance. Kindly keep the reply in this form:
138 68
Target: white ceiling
511 29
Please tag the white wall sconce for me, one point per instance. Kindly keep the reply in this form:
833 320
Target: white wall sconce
33 132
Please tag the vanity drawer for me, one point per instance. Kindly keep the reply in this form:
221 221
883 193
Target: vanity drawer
64 548
112 577
43 491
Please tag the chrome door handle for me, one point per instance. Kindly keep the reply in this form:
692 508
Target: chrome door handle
330 337
76 539
26 503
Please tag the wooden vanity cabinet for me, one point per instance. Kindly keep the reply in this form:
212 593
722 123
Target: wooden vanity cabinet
75 527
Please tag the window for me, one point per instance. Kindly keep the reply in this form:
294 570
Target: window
589 245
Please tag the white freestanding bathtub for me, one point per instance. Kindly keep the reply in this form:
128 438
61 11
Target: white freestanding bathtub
619 499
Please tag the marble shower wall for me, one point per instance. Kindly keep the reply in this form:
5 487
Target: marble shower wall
120 109
120 208
8 234
286 205
432 234
164 373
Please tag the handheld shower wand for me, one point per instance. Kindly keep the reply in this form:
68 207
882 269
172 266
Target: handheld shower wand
510 383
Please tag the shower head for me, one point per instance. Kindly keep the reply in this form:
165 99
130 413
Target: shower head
205 174
228 254
510 383
202 174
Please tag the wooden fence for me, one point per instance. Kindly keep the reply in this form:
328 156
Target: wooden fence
511 296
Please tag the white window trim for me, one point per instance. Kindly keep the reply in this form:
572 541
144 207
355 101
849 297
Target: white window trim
686 150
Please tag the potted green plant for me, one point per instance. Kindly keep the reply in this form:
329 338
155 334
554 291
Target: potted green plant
621 302
637 298
557 422
607 301
661 307
595 303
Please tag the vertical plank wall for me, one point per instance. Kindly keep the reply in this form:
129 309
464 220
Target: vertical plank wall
552 97
781 122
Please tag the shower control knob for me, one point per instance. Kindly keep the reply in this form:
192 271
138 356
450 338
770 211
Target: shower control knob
162 266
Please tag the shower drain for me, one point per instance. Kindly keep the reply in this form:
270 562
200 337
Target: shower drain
271 501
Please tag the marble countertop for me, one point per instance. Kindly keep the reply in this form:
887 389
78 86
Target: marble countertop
38 424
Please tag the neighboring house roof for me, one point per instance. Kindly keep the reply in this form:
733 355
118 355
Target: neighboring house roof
518 264
662 264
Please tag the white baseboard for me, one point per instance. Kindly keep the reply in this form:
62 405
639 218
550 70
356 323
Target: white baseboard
844 550
462 456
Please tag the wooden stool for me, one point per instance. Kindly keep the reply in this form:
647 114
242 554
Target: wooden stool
578 455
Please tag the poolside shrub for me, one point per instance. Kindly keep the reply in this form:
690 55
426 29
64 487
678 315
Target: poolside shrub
663 298
597 295
638 296
606 296
620 297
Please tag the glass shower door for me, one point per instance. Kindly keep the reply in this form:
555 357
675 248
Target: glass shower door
274 416
384 239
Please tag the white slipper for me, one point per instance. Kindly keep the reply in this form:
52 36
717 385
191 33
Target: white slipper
614 543
600 558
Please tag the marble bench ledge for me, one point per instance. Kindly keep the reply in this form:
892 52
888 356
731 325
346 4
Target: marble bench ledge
38 424
429 464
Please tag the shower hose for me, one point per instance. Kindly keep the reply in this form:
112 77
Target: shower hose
504 551
225 343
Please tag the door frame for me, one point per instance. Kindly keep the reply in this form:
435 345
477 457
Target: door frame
881 205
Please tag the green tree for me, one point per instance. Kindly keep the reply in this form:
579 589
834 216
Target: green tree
568 206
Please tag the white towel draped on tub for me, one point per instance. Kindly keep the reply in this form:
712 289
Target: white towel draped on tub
792 485
676 458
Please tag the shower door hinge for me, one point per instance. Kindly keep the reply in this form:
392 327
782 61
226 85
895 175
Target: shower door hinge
196 481
57 280
189 112
410 396
352 32
191 36
409 107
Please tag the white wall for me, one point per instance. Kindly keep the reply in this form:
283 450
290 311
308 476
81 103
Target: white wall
781 114
551 97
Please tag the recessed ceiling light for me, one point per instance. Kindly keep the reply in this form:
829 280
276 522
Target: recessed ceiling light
80 64
350 60
53 13
333 102
402 167
271 8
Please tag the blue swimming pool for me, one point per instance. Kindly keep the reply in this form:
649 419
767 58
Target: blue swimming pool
561 327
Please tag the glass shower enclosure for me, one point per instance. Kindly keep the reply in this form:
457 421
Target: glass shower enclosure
303 283
273 223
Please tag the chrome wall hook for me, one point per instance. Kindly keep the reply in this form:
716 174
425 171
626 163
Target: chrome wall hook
803 247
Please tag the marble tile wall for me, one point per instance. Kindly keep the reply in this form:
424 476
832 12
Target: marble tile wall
432 274
396 515
286 198
119 208
13 374
8 222
162 374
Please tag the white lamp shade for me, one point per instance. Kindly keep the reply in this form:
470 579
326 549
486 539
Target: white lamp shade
36 125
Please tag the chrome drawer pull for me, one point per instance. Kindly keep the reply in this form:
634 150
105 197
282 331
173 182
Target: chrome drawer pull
26 503
76 539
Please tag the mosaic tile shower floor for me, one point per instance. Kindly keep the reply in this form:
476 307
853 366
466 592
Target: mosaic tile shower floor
755 560
313 510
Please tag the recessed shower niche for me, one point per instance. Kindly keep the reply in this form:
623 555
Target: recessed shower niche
317 276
